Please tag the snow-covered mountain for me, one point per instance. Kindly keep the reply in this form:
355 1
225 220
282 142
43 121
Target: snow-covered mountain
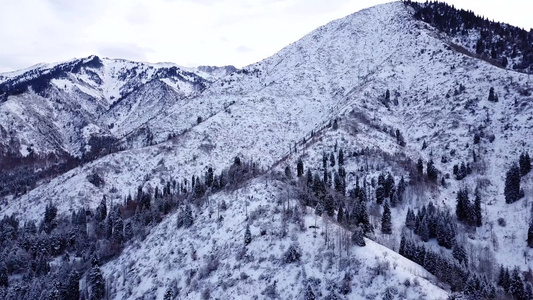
384 86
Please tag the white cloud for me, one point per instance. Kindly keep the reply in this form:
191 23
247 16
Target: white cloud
187 32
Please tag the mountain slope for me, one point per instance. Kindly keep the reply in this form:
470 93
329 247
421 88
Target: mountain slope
383 86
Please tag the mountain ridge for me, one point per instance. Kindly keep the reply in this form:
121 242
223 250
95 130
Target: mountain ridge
379 84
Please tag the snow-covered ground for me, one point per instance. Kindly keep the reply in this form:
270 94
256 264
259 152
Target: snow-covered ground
341 70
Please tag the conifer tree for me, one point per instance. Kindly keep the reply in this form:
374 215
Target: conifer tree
247 235
300 168
309 294
525 163
530 235
341 157
96 284
386 222
512 185
477 210
432 171
357 238
420 166
340 215
380 194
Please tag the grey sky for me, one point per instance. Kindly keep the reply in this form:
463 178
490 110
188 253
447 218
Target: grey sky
186 32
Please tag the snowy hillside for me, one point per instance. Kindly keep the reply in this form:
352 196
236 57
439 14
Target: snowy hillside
386 88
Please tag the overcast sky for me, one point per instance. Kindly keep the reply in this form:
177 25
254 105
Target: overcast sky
185 32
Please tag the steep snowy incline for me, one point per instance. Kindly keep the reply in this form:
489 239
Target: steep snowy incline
85 97
261 111
211 256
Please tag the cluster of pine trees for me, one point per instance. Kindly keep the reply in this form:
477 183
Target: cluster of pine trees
80 244
431 222
467 212
513 284
497 42
451 272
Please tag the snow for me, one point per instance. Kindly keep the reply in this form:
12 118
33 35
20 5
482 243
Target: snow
341 70
167 255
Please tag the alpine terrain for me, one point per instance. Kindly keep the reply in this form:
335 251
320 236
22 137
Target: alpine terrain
385 155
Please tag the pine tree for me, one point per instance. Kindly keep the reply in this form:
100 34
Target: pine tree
4 279
525 163
462 205
341 157
380 194
530 235
247 235
410 219
300 168
512 185
357 238
420 166
309 294
432 171
118 227
492 96
96 284
401 189
101 211
459 253
209 177
169 294
386 222
329 205
340 215
309 178
516 286
477 210
332 159
72 290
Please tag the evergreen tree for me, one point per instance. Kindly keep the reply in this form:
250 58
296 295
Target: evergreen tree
72 290
332 159
319 209
118 227
432 171
410 219
357 238
341 157
329 205
309 178
386 222
512 185
340 215
525 163
96 284
492 95
462 205
516 286
380 194
477 210
401 189
388 185
101 211
420 166
530 235
309 294
459 253
300 168
185 218
247 235
209 177
169 294
4 279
